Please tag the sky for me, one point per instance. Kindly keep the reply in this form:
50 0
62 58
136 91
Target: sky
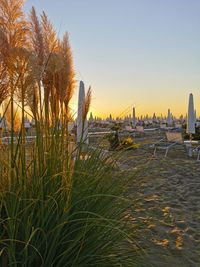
142 53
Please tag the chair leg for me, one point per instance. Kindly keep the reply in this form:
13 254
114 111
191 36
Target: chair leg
166 152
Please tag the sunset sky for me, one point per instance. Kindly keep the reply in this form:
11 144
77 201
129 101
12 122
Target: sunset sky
143 53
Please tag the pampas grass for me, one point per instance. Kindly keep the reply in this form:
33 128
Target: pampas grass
56 209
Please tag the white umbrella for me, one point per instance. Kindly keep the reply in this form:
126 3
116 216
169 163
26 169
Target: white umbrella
169 118
91 117
134 118
82 127
154 118
27 124
85 133
191 116
33 122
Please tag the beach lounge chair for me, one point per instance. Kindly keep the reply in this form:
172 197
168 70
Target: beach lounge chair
140 129
197 149
129 129
172 139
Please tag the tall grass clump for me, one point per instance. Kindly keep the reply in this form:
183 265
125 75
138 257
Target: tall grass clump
56 209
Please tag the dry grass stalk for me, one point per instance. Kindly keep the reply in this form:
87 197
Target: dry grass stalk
3 83
87 103
36 37
16 119
49 36
68 74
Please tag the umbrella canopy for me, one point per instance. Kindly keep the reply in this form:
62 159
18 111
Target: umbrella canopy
191 116
82 126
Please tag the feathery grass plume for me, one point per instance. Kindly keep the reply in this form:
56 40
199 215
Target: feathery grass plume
24 81
49 81
26 89
4 46
4 92
50 39
4 89
50 42
67 77
87 103
37 47
15 29
36 36
13 22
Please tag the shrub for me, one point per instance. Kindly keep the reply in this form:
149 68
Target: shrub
70 214
195 136
128 143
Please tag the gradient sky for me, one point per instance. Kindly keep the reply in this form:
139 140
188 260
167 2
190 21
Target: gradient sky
143 53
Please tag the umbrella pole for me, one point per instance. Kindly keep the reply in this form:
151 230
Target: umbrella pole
190 146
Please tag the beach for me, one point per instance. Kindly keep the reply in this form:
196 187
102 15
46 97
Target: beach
166 202
99 133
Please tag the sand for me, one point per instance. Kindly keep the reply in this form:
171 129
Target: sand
166 203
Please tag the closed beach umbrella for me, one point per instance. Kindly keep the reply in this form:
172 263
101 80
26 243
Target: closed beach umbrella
27 124
169 118
85 133
3 124
33 122
154 119
91 117
191 116
134 118
82 127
